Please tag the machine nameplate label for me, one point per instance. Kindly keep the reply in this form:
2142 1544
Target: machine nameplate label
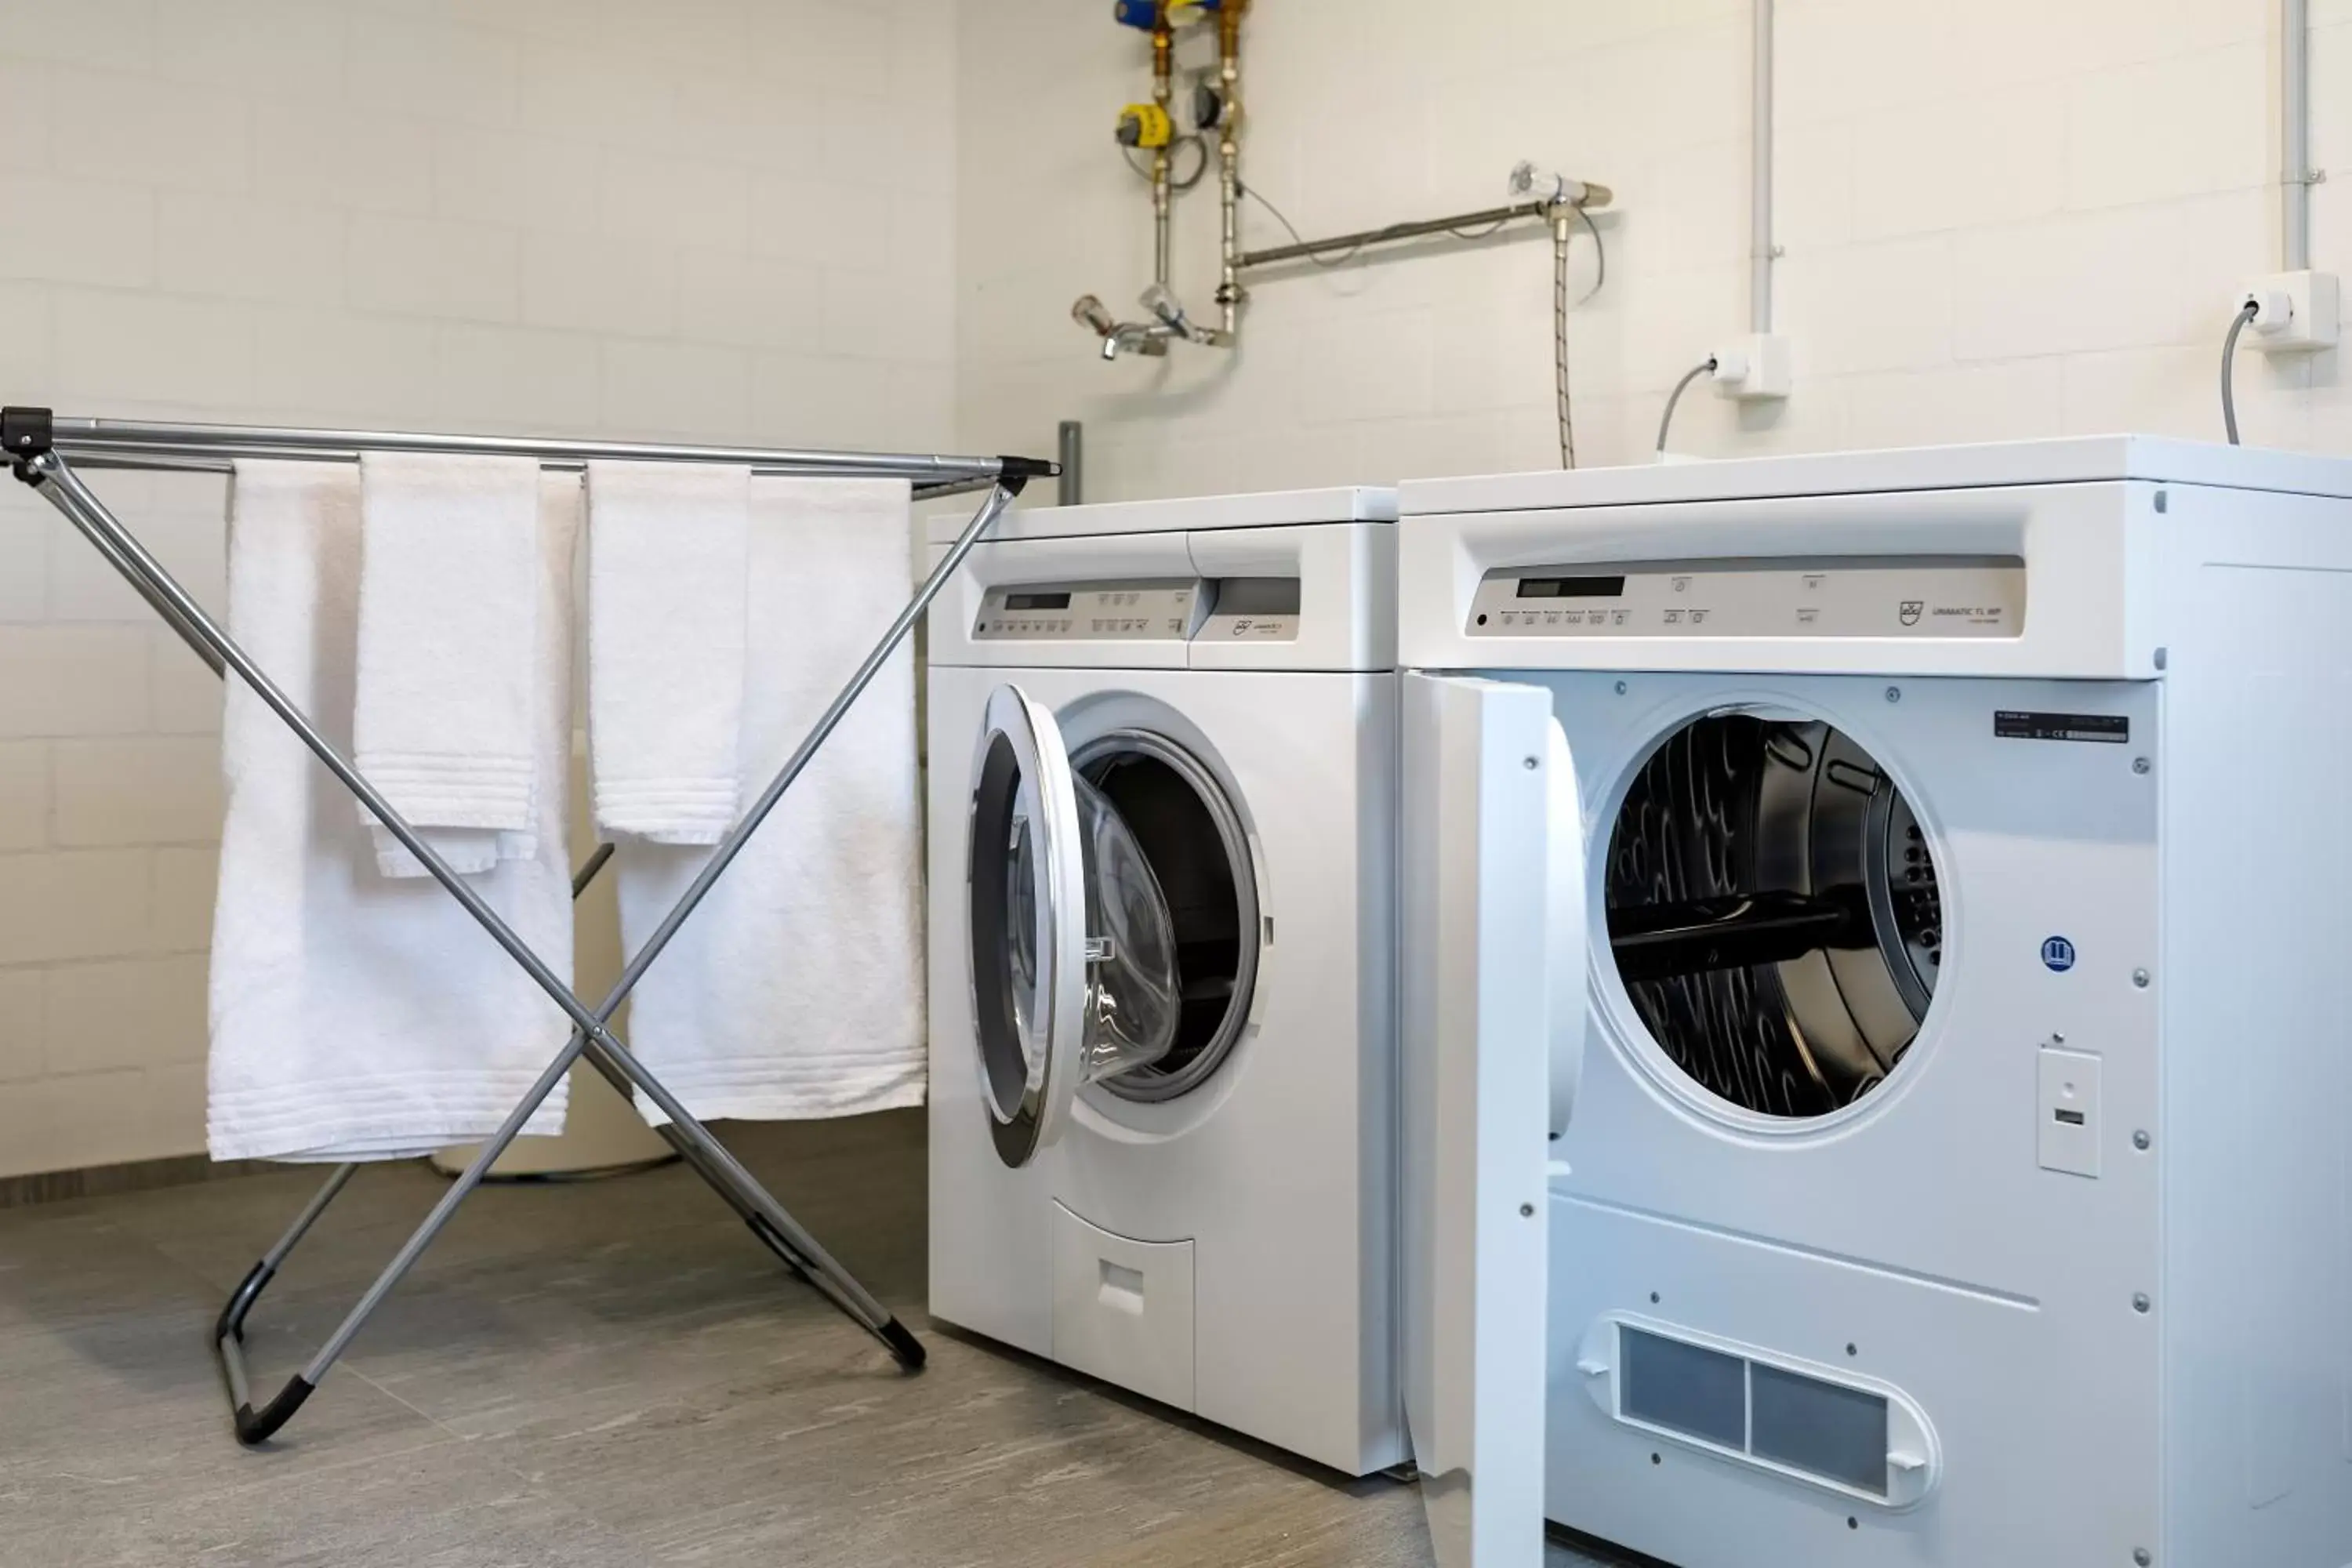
1878 596
2015 724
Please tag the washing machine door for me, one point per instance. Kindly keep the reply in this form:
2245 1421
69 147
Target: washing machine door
1495 969
1073 951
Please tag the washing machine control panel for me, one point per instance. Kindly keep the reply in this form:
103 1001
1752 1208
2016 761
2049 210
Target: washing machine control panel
1185 609
1850 596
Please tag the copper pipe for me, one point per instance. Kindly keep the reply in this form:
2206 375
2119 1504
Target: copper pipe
1230 293
1163 46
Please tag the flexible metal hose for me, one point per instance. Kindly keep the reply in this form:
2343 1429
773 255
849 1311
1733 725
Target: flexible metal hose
1559 233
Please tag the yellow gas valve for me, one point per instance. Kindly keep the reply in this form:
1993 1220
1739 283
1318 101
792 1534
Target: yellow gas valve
1144 125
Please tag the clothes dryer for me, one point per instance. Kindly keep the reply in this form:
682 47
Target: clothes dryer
1957 1171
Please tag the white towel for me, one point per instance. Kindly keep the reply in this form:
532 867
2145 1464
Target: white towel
666 630
352 1017
796 990
448 671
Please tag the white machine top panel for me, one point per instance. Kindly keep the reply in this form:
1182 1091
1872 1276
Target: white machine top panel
2071 460
1190 514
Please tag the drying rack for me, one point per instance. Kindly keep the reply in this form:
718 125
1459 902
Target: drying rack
44 450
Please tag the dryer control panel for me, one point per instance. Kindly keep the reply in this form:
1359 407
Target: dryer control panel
1183 609
1867 596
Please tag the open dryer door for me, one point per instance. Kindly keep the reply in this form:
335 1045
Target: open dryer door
1492 885
1073 951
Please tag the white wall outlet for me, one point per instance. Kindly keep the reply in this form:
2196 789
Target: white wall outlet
1760 364
2295 312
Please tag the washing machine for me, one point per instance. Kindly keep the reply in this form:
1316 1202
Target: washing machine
1161 741
1958 1172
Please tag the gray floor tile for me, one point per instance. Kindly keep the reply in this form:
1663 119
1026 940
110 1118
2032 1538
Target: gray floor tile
599 1373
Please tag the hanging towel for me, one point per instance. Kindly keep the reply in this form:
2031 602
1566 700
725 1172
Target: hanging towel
796 990
355 1016
448 674
666 627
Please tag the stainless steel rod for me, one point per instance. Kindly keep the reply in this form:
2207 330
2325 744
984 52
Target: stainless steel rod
1489 217
613 1058
77 437
90 514
1759 177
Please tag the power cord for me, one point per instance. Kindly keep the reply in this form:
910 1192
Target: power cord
1666 420
2246 313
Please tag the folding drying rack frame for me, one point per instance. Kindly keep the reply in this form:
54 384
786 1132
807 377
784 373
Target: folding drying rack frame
37 445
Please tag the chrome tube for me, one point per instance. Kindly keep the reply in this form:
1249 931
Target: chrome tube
1422 228
1760 196
115 443
1163 46
1230 293
2294 135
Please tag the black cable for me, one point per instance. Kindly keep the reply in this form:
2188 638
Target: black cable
2229 355
1199 169
1599 254
1292 229
1703 367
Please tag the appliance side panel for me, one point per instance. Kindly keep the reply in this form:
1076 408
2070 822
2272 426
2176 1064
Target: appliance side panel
1378 1218
2257 1306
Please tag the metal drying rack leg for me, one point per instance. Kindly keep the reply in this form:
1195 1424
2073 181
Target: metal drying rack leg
46 470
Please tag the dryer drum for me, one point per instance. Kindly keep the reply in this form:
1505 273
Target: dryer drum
1773 913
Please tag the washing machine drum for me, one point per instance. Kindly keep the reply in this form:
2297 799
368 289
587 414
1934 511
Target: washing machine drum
1773 913
1075 972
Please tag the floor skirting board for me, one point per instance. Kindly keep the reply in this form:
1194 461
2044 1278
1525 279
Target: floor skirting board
135 1176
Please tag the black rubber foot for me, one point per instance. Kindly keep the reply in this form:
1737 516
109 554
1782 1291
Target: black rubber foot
1017 472
260 1426
904 1345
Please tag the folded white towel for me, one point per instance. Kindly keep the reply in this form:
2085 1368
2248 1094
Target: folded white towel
352 1017
666 630
448 673
796 990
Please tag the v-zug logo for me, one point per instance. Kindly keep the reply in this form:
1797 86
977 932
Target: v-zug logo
2058 954
1912 610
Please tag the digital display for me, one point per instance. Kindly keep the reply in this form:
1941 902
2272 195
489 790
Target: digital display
1037 601
1571 587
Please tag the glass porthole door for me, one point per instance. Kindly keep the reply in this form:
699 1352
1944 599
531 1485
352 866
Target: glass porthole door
1073 950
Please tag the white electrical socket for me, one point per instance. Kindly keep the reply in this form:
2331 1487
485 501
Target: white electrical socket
2295 312
1755 366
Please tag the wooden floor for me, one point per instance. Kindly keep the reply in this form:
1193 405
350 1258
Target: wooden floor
608 1374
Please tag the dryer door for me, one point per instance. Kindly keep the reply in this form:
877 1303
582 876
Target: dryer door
1493 902
1072 953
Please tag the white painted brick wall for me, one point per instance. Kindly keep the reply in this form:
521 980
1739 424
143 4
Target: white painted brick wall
2004 218
567 215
